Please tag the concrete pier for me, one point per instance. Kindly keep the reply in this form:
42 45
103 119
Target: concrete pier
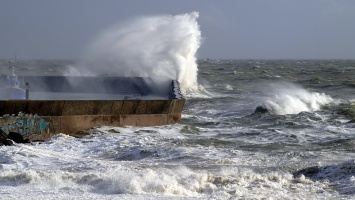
68 105
41 119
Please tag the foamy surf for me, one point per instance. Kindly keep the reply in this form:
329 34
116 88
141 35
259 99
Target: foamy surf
84 170
292 99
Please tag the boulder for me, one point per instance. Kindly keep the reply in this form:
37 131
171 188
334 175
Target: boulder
308 172
261 109
17 137
4 139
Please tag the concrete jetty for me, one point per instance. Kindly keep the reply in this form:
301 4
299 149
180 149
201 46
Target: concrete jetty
73 104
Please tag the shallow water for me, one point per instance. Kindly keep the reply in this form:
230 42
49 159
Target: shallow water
222 150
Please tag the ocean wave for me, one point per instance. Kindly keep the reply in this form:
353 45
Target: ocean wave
292 99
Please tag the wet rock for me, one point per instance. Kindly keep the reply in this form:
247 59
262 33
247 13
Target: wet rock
4 139
261 109
83 133
17 137
309 172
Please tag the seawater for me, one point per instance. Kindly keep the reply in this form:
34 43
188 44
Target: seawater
300 146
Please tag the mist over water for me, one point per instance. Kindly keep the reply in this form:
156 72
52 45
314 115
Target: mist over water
162 47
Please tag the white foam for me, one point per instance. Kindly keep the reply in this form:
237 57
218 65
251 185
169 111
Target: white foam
167 182
292 99
229 87
65 167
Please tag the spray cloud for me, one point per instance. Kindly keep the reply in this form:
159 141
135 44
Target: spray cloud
158 46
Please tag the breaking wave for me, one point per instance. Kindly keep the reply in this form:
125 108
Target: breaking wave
292 99
158 46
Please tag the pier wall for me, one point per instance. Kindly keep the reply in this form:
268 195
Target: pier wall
41 119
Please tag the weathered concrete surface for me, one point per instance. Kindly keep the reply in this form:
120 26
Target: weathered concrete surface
90 107
41 119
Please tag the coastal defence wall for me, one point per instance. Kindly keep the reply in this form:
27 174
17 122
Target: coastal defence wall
41 119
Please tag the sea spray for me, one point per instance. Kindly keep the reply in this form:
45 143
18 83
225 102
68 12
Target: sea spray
292 99
162 47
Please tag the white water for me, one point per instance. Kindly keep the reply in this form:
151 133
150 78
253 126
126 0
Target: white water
92 167
157 46
288 98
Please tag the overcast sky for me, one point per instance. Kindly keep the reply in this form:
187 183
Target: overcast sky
236 29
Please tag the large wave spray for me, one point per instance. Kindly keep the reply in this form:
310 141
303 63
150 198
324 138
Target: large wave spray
158 46
292 99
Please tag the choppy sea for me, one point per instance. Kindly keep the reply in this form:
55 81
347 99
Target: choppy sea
257 129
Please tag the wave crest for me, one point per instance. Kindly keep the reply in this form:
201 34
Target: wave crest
292 99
